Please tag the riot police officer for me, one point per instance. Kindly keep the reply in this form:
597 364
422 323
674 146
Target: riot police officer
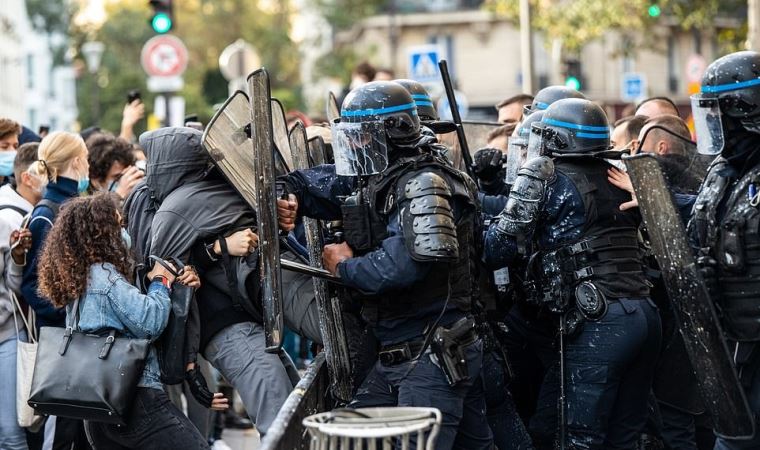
724 224
586 274
410 223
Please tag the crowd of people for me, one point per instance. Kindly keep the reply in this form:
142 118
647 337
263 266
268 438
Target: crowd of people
518 295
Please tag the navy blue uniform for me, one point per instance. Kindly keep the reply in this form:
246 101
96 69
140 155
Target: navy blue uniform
387 278
609 361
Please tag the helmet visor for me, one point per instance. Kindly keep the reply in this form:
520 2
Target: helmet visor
707 124
516 157
536 140
359 148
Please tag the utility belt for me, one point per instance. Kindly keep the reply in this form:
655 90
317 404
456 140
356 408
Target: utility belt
447 347
568 278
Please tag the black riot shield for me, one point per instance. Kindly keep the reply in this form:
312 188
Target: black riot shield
477 138
477 133
693 308
263 154
330 319
332 109
280 137
227 138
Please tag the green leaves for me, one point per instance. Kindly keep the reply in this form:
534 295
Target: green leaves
577 22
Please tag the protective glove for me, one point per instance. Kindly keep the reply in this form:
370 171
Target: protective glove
707 269
488 165
198 387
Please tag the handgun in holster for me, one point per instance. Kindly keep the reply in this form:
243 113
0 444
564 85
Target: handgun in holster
448 346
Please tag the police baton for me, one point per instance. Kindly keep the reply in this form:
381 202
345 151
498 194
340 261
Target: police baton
456 118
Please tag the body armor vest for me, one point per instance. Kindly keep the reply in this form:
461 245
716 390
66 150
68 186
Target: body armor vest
734 242
607 256
379 199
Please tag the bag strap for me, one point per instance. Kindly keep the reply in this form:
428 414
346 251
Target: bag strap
18 209
231 273
31 331
72 322
166 265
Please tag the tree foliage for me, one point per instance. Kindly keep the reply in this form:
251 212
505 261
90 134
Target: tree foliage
577 22
342 15
52 17
206 27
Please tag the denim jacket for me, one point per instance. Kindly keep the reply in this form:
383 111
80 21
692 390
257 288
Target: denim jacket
111 302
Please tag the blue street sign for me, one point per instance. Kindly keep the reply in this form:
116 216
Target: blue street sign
423 63
634 86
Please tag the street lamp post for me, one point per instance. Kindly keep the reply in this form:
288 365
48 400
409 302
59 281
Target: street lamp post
526 48
93 54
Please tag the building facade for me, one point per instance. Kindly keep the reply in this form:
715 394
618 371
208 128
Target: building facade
33 89
483 53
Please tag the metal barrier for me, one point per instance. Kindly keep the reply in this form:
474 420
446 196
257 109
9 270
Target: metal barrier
374 429
310 396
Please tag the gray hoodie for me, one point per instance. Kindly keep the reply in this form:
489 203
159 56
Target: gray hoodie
10 220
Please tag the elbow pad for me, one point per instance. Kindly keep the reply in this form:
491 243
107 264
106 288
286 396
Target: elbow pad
521 213
427 218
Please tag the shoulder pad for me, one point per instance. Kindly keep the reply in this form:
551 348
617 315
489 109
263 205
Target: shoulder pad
426 183
427 218
540 167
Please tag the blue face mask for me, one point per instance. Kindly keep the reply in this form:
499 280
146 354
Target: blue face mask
126 238
83 184
6 163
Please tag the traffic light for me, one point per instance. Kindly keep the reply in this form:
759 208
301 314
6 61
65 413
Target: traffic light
654 10
573 76
162 20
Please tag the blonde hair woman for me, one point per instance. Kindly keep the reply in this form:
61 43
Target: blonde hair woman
62 163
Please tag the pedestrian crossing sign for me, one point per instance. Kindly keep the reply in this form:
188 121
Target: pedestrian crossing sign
423 63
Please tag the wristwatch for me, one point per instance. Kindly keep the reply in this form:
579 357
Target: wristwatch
163 280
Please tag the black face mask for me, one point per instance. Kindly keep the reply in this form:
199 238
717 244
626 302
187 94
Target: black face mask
741 145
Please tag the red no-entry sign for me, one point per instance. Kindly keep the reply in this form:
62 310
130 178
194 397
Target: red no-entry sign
164 56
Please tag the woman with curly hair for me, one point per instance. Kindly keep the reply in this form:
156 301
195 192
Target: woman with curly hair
86 257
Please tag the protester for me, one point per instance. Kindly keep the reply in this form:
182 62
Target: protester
511 109
15 203
62 164
187 210
384 74
87 258
656 106
363 73
499 137
112 165
133 112
28 135
625 133
9 132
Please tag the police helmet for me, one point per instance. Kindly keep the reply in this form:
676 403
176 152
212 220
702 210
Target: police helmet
387 102
549 95
425 107
730 91
573 125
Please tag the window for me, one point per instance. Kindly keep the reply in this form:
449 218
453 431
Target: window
30 71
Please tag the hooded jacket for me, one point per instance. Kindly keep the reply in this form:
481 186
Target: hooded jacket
183 203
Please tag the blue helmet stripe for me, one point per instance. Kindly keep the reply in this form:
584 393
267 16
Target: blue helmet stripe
377 111
421 103
542 105
729 87
575 126
593 135
421 97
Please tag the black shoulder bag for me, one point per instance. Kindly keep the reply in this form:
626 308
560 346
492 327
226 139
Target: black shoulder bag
171 347
86 376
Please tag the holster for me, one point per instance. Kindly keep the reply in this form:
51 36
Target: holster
448 346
